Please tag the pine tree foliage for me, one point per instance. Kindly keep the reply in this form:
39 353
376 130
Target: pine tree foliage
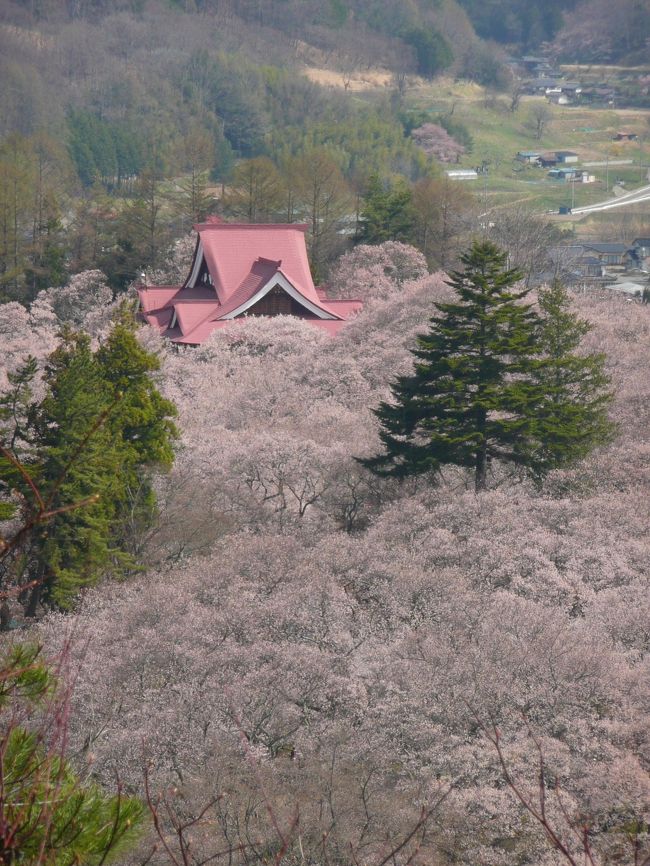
493 381
50 816
78 458
387 214
572 415
140 422
94 438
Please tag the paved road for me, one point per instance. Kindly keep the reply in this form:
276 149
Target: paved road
636 197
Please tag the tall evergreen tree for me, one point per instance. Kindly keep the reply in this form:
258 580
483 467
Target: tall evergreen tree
77 457
387 214
494 381
471 398
141 422
94 437
572 415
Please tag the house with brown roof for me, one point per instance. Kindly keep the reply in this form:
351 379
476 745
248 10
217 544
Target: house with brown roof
240 270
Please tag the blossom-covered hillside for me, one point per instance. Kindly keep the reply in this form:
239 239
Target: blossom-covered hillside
331 642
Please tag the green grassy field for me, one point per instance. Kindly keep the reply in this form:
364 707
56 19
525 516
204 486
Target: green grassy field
499 133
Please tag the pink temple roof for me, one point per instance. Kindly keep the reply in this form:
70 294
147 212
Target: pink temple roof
235 265
230 250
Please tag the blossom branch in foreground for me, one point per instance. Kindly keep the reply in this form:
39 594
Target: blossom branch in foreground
537 808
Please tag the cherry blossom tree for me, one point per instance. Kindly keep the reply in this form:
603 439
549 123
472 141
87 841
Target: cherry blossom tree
436 141
376 272
307 635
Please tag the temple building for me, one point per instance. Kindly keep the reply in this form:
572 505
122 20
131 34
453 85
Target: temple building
242 270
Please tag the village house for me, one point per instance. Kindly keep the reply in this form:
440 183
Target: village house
565 174
572 264
530 156
573 174
600 263
241 270
547 160
607 253
553 157
542 86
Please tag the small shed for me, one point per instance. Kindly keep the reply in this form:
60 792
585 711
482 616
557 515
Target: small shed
566 156
462 174
565 174
548 160
528 155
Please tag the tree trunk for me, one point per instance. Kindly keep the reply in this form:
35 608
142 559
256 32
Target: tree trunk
480 474
34 597
5 616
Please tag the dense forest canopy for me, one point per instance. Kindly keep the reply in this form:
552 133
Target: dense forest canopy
527 23
104 163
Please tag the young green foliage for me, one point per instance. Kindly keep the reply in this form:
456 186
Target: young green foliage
94 438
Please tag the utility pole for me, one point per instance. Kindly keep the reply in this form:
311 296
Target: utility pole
485 210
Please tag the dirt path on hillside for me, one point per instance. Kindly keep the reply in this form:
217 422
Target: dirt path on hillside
371 79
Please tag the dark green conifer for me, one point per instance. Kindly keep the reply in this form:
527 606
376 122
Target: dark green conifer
141 421
51 816
387 213
572 415
471 398
79 457
495 381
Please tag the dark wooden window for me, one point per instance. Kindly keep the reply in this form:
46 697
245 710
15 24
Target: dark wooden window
278 303
203 278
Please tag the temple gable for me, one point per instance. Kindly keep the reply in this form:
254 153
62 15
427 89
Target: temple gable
242 270
277 303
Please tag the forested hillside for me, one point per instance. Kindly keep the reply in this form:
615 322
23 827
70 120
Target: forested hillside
123 123
118 120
